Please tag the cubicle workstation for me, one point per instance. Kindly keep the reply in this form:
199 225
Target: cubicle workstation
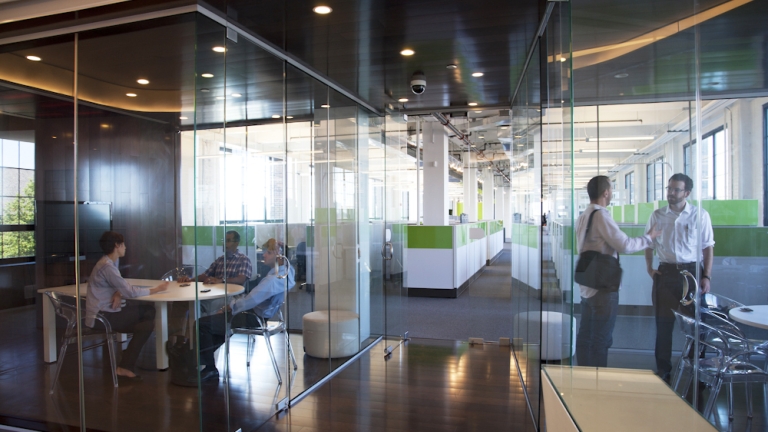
444 260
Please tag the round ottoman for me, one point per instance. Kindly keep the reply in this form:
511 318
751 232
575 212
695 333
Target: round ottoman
553 326
343 340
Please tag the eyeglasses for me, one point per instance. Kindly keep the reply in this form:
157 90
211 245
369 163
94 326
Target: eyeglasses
674 190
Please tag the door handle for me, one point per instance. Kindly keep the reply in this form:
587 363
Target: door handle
277 266
391 251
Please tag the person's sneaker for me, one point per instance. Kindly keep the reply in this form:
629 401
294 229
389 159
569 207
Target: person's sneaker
209 373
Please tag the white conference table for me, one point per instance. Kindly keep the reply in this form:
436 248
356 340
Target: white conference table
174 293
757 318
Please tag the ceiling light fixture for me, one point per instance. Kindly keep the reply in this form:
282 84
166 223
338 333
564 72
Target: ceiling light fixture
276 116
472 104
624 150
621 75
322 10
407 52
182 118
236 95
219 49
33 58
325 106
563 59
220 97
142 81
403 100
131 94
205 90
289 117
451 66
207 75
630 138
478 74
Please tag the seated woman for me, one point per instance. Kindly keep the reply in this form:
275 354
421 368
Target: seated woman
106 288
265 299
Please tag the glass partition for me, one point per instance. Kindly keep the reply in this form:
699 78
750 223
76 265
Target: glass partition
228 176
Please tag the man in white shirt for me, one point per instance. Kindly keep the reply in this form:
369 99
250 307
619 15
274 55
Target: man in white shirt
686 240
598 307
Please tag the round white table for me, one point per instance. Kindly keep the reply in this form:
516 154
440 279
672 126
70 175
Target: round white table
757 318
175 292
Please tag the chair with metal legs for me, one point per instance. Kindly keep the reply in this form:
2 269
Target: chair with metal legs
64 305
266 329
731 365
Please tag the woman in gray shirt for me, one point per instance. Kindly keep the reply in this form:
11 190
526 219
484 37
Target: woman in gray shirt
106 289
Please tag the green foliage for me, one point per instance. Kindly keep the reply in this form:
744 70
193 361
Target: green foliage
19 211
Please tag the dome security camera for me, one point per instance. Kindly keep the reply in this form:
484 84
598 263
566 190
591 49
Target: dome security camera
418 82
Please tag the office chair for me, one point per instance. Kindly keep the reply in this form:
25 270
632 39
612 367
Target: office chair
266 329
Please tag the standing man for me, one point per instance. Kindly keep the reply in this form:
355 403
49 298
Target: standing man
599 308
682 243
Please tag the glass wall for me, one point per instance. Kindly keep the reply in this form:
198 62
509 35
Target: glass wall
678 131
244 249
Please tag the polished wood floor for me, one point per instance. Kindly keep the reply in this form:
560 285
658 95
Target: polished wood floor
427 385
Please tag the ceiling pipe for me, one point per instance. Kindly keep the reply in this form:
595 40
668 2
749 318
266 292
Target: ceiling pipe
445 122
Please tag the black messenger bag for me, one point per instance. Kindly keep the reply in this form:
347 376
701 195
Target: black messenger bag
596 270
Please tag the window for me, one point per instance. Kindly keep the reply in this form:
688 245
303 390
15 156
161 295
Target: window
629 185
655 178
713 175
17 161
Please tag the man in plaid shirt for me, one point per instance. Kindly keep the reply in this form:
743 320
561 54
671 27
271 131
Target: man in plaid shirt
238 270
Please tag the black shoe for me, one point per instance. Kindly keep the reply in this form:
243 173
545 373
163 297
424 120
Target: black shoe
209 373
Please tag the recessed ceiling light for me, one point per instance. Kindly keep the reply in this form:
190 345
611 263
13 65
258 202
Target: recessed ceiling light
205 90
562 59
407 52
207 75
54 136
104 126
518 136
131 94
477 74
621 75
289 117
33 58
322 10
142 81
504 127
472 104
325 106
451 66
236 95
182 118
276 116
403 100
220 97
219 49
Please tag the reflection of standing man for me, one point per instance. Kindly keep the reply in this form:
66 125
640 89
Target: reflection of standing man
681 245
600 307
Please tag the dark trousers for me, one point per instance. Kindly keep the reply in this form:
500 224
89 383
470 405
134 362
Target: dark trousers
213 330
137 318
598 317
667 292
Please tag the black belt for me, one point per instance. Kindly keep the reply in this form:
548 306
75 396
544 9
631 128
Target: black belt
676 266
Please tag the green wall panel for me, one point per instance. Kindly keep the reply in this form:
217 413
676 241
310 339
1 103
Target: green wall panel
629 213
644 211
525 235
732 212
430 237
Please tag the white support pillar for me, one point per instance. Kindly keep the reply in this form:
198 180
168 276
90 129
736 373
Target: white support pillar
488 195
470 188
435 174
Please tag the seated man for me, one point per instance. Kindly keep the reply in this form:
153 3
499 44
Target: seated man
238 270
265 300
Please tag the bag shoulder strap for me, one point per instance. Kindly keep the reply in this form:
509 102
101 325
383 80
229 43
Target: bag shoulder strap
589 225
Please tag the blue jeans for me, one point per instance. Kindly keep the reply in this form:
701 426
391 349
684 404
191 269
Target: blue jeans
598 316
